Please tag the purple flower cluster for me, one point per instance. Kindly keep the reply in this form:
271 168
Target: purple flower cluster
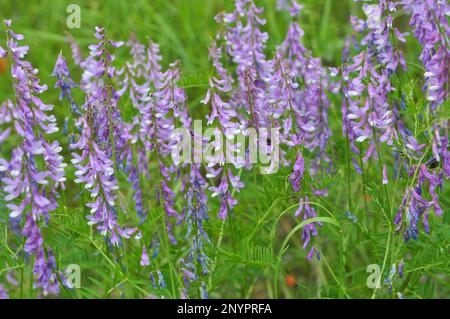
102 138
368 116
429 19
35 171
286 92
303 83
244 42
65 83
415 207
160 106
197 263
96 171
3 293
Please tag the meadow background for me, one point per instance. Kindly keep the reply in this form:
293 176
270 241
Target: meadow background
244 249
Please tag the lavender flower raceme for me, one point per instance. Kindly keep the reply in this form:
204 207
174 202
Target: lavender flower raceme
431 28
36 170
298 89
169 101
306 123
65 84
159 103
415 206
103 137
96 171
429 18
245 44
197 264
366 110
77 55
3 293
140 78
225 116
114 135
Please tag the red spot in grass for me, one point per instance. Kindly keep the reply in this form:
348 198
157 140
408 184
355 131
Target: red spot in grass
290 281
3 65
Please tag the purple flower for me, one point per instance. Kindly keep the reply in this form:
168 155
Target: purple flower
368 116
225 116
46 273
96 171
415 206
77 56
64 81
144 257
298 87
400 269
32 188
307 212
297 175
3 293
65 84
429 18
196 216
245 43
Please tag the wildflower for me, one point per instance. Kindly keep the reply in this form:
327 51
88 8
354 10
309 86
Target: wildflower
225 116
77 56
385 178
303 83
3 292
197 264
309 231
203 291
245 44
163 112
307 99
390 278
415 207
368 116
161 281
400 269
32 189
144 257
65 83
140 78
431 28
352 217
96 171
297 175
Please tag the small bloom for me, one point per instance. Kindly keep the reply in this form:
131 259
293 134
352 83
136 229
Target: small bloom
144 257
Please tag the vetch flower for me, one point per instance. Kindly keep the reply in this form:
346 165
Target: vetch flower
144 257
35 172
96 172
